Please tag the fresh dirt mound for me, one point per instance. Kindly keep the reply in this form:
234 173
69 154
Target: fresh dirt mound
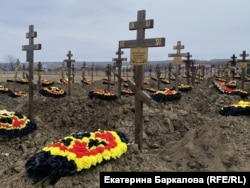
183 135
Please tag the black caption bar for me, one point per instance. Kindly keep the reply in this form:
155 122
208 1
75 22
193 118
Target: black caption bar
173 179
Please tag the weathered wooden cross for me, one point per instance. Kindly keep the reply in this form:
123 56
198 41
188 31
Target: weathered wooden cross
233 65
108 74
158 75
30 58
39 71
169 71
243 66
118 63
62 69
177 60
187 65
73 73
69 61
83 72
138 58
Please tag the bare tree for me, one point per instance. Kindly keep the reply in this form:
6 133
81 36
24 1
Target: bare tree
11 60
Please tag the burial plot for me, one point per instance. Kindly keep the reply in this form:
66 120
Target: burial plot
177 60
69 61
118 64
138 58
30 58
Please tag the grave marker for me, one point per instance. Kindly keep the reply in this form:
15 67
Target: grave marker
30 58
233 65
83 72
39 70
69 61
62 69
108 74
177 60
140 43
158 75
243 66
118 63
187 65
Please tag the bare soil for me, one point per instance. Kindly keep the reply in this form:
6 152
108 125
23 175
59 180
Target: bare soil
178 136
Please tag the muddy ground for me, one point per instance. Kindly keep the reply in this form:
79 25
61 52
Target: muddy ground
183 135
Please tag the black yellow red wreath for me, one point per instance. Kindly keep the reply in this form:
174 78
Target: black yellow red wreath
166 95
15 94
52 91
22 81
240 108
4 89
74 153
185 87
46 83
102 94
14 124
127 91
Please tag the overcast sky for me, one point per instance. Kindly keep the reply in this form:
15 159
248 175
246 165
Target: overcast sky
91 29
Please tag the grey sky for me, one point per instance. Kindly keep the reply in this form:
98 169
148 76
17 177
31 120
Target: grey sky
91 29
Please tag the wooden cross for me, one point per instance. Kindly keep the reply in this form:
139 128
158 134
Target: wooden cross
177 60
158 74
187 65
108 74
193 70
233 66
69 61
140 43
73 73
169 71
23 68
83 72
39 70
62 69
243 66
30 58
16 68
118 63
92 72
233 61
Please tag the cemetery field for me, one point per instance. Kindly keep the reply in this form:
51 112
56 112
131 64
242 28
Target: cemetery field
184 135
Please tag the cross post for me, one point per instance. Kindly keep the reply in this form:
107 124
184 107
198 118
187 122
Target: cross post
30 58
118 63
69 61
177 60
187 65
83 72
39 70
138 58
243 66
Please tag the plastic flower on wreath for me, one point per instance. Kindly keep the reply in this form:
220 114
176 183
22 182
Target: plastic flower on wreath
4 89
23 81
166 95
240 108
102 94
53 92
127 91
184 87
74 153
45 82
18 94
14 124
